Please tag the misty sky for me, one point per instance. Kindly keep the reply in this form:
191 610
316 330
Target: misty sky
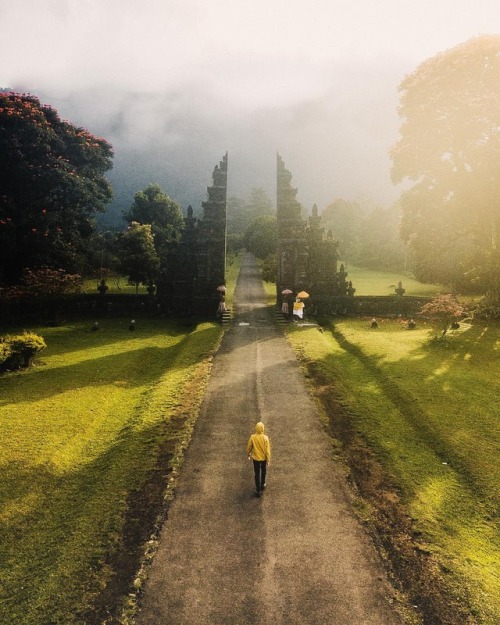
174 84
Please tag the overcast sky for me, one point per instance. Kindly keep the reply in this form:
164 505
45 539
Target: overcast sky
174 84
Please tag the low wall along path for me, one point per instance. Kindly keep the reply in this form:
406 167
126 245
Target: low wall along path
295 556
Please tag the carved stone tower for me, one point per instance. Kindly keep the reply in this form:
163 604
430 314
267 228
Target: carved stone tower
196 265
211 244
307 258
292 240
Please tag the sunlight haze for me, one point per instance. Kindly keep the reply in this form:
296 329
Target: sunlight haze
173 85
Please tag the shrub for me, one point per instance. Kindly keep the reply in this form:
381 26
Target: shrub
5 351
445 308
23 348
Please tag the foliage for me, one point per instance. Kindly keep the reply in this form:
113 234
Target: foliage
5 351
138 257
261 236
445 308
241 213
153 206
81 437
450 150
46 282
367 236
102 259
269 268
23 349
343 218
379 245
431 420
52 184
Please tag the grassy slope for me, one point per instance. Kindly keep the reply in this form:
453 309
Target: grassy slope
80 431
431 415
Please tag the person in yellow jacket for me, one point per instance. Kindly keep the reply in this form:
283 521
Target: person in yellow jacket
259 450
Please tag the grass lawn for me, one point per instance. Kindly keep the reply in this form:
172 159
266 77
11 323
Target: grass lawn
116 285
430 412
81 431
371 282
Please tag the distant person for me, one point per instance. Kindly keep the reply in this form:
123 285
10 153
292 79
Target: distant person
298 308
95 327
103 287
131 326
373 323
411 324
221 309
259 450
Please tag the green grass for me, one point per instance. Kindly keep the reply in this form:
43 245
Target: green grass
371 282
115 285
431 414
80 431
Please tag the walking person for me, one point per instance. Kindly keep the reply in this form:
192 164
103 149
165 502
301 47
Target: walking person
259 450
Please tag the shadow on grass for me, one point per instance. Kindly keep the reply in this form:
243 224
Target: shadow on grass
72 540
411 410
79 335
67 533
460 503
41 383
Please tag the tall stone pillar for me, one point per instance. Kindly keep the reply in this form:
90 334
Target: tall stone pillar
211 246
292 249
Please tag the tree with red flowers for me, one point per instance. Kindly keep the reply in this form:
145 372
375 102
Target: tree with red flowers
445 308
52 183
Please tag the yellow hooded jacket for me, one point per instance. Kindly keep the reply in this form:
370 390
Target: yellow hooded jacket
258 446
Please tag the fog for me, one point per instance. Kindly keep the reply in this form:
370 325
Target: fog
173 85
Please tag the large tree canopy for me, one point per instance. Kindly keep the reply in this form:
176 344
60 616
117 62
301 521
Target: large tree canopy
154 207
241 213
261 236
450 150
51 185
137 254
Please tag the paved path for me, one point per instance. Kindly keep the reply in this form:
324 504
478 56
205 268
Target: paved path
295 556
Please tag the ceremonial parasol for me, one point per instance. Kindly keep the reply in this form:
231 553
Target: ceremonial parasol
286 292
302 295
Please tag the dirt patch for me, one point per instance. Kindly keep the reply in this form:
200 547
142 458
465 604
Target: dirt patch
414 570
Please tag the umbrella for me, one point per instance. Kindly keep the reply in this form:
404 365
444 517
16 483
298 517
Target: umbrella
302 295
286 292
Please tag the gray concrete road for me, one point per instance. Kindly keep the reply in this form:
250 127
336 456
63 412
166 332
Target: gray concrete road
295 556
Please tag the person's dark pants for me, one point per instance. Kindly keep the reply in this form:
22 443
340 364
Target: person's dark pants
259 469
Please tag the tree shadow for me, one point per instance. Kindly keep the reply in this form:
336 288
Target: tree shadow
94 372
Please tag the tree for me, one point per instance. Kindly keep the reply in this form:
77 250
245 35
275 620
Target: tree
343 218
50 283
138 257
52 184
241 213
153 206
450 149
379 244
261 237
445 308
